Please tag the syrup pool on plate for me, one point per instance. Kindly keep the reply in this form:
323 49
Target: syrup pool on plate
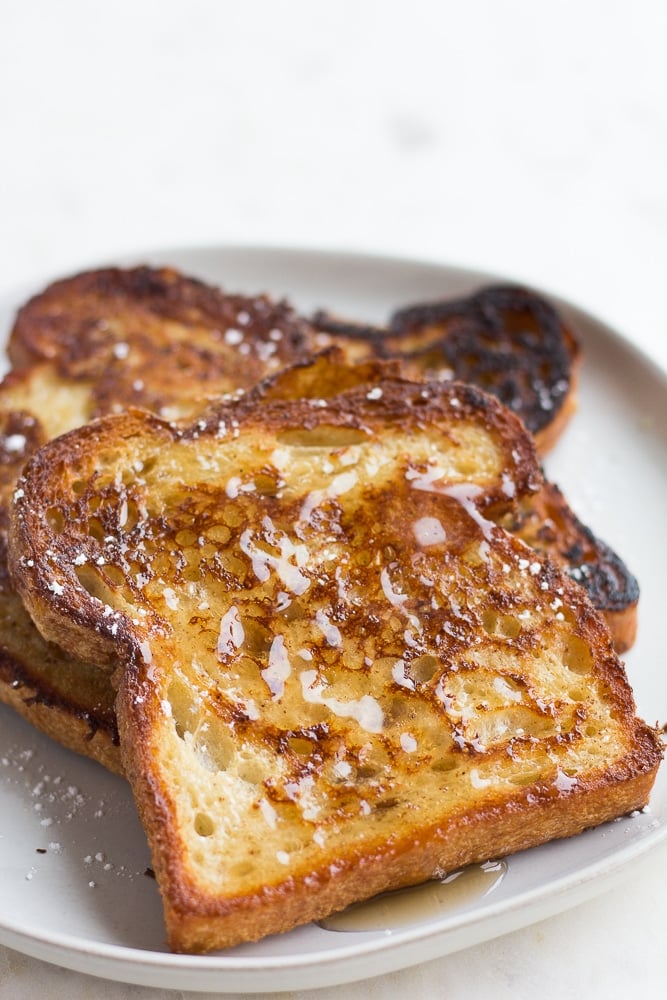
394 910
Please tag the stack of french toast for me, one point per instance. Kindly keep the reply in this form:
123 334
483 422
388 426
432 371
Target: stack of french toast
304 584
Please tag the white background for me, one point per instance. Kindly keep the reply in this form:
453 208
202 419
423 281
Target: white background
520 137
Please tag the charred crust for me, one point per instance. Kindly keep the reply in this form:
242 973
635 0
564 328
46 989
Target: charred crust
506 339
548 524
608 581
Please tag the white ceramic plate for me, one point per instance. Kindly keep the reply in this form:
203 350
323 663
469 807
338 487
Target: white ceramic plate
72 854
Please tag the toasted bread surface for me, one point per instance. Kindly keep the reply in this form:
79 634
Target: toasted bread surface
508 340
155 338
339 675
543 519
499 450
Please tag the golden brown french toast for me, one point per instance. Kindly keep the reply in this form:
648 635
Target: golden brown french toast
337 675
155 338
507 340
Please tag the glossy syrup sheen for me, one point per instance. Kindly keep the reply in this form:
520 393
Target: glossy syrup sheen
437 898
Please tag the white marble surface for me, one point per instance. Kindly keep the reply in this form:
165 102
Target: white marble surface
515 136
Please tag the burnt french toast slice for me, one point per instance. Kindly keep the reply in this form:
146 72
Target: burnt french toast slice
337 674
505 339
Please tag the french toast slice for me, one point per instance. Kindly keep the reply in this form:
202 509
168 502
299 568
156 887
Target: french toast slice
337 675
62 696
505 339
155 338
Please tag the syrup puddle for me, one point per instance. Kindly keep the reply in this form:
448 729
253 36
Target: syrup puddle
394 910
